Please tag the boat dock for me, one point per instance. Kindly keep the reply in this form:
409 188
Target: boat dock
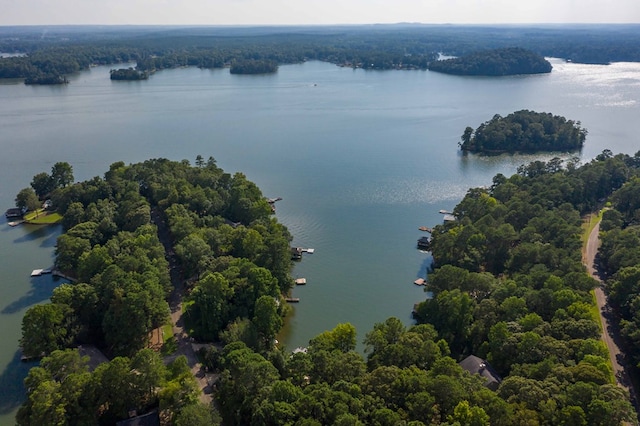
14 212
420 281
425 229
445 212
272 202
424 243
296 252
54 272
292 299
301 281
38 272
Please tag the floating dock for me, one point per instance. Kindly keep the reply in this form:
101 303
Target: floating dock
445 212
425 229
292 299
301 281
38 272
420 281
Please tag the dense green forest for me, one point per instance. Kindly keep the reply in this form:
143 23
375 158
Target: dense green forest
496 62
121 231
55 52
524 131
620 262
508 286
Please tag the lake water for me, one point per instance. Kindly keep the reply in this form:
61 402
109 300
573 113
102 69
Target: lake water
360 158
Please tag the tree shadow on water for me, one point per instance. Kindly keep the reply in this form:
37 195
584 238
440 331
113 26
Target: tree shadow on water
12 392
47 233
41 290
425 267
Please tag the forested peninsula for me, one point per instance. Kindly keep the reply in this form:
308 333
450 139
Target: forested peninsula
48 55
509 288
496 62
524 131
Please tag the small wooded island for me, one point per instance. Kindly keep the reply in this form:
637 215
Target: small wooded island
494 62
128 74
524 131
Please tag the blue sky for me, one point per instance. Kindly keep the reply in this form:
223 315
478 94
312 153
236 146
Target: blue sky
313 12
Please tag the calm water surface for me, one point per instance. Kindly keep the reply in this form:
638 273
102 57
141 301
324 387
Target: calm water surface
361 159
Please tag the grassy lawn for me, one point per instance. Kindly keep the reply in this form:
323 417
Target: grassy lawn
594 311
167 331
42 217
170 345
587 226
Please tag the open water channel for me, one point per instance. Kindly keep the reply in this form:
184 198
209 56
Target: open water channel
360 158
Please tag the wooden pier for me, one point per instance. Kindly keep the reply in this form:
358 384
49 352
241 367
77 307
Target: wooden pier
54 272
425 229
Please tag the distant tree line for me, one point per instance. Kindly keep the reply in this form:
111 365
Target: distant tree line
496 62
62 51
524 131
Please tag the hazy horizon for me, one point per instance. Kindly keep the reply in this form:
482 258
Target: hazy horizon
315 12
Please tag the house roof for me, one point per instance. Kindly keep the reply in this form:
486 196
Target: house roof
475 365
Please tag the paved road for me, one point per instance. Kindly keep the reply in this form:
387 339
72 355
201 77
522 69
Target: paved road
609 335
